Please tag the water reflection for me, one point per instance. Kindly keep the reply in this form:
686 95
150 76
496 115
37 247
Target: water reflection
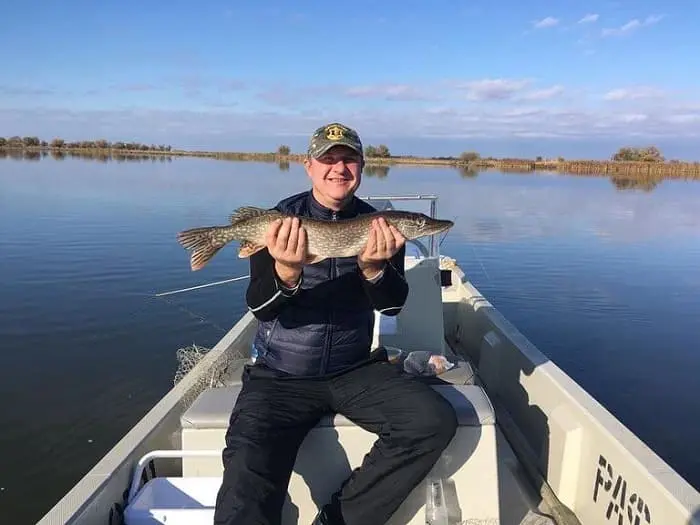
110 156
639 182
17 154
95 155
379 171
645 182
468 172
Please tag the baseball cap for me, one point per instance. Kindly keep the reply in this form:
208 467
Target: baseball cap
334 134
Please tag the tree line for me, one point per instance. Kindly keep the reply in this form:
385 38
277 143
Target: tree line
381 151
648 154
624 154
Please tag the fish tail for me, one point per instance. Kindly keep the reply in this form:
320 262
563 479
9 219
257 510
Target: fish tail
201 242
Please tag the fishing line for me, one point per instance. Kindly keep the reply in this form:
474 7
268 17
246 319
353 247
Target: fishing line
471 246
192 314
478 259
202 286
447 232
483 268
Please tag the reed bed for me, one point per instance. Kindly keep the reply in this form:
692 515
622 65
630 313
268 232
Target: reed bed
672 169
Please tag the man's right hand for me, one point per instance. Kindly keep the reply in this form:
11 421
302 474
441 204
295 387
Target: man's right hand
286 242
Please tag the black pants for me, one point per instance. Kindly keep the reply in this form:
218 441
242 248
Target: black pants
273 415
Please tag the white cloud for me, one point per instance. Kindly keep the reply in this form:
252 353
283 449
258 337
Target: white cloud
632 26
543 94
684 118
32 91
632 117
549 21
493 89
589 19
645 119
387 92
633 93
522 112
481 108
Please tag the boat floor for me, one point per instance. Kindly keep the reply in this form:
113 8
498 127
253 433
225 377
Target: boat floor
518 502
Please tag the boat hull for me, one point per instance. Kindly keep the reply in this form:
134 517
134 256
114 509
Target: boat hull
591 467
585 466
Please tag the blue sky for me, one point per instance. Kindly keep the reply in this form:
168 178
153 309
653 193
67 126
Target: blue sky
506 78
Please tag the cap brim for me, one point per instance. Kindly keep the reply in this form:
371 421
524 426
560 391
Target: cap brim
323 149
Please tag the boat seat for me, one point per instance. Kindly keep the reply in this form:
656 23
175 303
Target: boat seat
212 408
471 456
461 374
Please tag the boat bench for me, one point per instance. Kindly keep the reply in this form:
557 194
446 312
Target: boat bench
470 460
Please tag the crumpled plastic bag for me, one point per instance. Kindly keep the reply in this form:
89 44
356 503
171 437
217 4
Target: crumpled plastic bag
423 363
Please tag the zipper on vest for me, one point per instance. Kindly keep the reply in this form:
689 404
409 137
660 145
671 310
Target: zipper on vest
334 269
329 336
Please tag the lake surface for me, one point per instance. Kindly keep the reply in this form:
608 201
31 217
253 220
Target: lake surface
604 281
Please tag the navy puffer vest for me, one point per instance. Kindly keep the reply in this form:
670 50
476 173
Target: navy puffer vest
328 325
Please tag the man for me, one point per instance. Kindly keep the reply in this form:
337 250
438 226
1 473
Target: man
313 358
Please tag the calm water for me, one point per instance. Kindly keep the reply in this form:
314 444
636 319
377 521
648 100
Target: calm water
604 281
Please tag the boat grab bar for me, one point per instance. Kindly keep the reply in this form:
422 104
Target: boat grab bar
141 465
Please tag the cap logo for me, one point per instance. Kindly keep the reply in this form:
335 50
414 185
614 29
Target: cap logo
335 132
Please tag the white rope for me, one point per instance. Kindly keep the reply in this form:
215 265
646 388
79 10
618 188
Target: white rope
202 286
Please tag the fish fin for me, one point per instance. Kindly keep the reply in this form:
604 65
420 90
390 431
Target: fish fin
199 241
249 248
246 212
315 259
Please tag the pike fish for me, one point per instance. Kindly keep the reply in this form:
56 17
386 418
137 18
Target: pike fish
325 238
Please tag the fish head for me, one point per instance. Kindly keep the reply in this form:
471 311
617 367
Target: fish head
414 225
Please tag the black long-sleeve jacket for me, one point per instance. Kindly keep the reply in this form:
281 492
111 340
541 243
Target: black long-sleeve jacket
326 322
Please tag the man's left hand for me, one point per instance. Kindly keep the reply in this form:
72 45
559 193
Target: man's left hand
383 243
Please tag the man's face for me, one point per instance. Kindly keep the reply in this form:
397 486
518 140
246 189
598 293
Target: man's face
335 175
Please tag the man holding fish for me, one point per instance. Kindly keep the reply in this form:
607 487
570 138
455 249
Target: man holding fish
315 306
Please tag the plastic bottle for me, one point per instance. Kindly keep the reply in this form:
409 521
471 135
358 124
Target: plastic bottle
435 508
423 363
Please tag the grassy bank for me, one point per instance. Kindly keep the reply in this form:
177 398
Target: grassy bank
643 170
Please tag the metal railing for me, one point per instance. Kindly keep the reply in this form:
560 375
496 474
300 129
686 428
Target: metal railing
434 250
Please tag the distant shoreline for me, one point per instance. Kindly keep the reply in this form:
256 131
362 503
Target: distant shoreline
644 169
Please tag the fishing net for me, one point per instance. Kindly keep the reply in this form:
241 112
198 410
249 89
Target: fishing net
223 370
187 358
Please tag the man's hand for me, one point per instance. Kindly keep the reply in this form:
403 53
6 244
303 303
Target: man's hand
286 242
383 243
